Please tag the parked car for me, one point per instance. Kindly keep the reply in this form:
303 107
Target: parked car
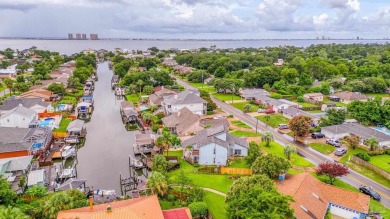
334 142
369 191
340 151
385 147
269 111
260 110
219 117
283 126
316 135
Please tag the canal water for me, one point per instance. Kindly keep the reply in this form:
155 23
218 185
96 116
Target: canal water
108 144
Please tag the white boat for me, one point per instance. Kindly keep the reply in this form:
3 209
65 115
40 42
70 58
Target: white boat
72 140
137 163
105 192
68 173
68 151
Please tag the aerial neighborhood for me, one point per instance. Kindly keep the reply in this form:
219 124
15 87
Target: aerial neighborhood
274 132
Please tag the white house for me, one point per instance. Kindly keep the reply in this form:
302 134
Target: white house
213 146
187 98
274 104
36 104
20 117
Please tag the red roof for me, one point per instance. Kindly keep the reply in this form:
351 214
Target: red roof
178 213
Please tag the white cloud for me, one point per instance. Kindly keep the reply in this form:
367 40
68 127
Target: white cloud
321 19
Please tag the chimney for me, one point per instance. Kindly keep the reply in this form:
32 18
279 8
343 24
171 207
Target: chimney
109 210
90 202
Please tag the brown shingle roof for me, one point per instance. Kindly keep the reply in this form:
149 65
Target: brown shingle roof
304 187
182 119
349 96
42 93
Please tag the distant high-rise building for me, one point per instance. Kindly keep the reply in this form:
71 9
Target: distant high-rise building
357 37
323 38
84 36
70 36
93 36
78 36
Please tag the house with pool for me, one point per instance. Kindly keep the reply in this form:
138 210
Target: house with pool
36 104
189 98
20 117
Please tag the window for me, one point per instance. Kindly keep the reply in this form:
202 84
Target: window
169 106
237 152
7 120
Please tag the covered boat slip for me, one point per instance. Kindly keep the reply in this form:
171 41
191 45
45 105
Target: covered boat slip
77 128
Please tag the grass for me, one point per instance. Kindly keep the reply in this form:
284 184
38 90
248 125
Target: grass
202 86
216 205
274 120
133 98
278 150
326 100
2 87
378 95
63 125
238 123
241 105
68 99
323 148
381 161
244 134
351 152
239 164
377 207
226 97
315 111
305 104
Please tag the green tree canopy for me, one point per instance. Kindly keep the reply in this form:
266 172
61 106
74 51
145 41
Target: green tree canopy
270 165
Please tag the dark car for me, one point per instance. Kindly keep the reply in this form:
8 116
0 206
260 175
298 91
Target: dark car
369 191
316 135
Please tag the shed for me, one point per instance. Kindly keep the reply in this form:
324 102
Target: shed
36 178
71 183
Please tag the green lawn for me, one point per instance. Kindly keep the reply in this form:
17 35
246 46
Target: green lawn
381 161
377 95
68 99
63 125
133 98
240 124
326 100
239 164
2 87
277 150
305 104
351 152
226 97
323 148
244 134
203 86
216 205
241 105
274 120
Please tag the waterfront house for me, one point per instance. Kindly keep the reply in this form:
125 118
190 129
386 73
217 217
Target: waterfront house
313 198
77 128
158 96
274 104
187 98
20 117
36 178
213 146
290 113
128 112
347 97
144 143
250 94
39 93
183 122
13 168
36 104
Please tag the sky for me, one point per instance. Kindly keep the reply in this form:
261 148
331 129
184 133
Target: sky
197 19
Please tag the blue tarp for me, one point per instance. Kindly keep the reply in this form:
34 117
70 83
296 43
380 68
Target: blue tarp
37 145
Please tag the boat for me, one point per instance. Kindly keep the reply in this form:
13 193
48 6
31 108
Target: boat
68 173
68 151
102 192
137 164
72 140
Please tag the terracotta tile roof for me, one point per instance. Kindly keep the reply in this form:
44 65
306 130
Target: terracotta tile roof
304 188
139 208
179 213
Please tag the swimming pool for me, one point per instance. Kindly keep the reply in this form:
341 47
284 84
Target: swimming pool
61 107
46 122
383 130
143 108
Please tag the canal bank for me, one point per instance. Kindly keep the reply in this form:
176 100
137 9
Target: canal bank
108 144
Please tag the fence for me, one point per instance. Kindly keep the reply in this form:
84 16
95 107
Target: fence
372 167
236 171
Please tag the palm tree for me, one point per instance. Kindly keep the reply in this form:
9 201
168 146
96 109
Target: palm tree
289 149
132 88
9 83
247 108
157 182
267 118
372 142
12 213
148 117
140 83
267 137
57 202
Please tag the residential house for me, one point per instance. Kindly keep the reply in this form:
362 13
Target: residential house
347 129
213 146
13 168
208 123
187 98
77 128
250 94
9 72
36 104
39 93
313 198
183 69
2 57
17 142
274 104
313 97
20 117
279 62
36 178
183 122
347 97
169 62
158 96
292 112
144 143
136 208
129 112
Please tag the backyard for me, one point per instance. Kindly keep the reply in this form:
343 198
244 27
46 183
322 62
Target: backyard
63 125
274 120
245 134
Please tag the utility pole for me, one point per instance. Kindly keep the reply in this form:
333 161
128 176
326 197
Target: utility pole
257 121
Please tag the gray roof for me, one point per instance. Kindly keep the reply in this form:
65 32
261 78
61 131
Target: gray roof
185 97
182 119
75 126
251 93
16 163
349 96
270 101
19 139
207 136
127 105
35 177
357 129
71 183
214 122
291 111
158 96
12 103
23 111
143 139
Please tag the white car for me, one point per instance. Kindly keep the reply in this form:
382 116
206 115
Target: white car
260 110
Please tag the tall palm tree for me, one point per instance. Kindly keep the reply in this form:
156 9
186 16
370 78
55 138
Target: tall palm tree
57 202
140 83
267 118
267 137
12 213
289 149
157 182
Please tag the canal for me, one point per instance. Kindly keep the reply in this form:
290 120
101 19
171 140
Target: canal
108 144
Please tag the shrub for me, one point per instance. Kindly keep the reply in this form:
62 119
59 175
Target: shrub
230 116
363 156
196 195
276 96
375 153
155 128
210 112
198 208
300 99
171 198
387 152
252 102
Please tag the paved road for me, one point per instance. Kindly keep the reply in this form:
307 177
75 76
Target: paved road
354 179
108 144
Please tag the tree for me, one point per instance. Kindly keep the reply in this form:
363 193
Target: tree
157 182
9 83
132 88
148 89
58 201
353 141
20 79
372 142
332 170
300 125
253 152
196 194
12 213
165 140
7 195
267 118
82 73
270 165
198 209
256 197
183 179
247 108
41 70
160 164
267 138
22 182
148 117
140 83
57 88
73 81
289 149
36 191
261 76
